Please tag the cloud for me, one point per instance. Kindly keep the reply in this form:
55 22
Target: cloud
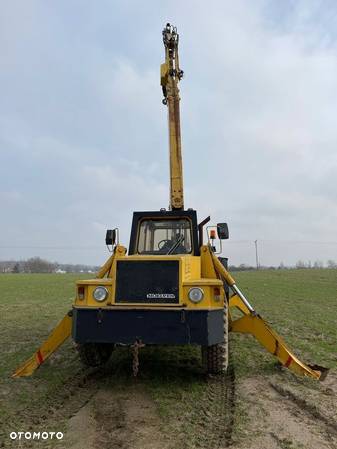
83 133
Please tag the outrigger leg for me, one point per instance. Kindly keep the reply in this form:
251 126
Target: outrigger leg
254 324
61 332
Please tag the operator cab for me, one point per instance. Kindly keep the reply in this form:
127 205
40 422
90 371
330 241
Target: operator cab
164 233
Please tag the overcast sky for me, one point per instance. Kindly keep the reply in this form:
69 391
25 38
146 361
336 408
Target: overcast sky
83 132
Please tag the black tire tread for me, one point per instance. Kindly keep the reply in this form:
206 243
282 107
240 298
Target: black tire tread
94 354
215 357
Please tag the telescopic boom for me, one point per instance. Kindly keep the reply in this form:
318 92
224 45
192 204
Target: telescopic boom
170 75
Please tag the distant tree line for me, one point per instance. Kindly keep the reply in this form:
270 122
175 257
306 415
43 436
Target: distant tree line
246 267
38 265
317 264
300 264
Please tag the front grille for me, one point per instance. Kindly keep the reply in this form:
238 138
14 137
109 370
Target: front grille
147 281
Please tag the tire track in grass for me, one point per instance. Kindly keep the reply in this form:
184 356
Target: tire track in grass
216 407
283 420
214 428
74 393
306 407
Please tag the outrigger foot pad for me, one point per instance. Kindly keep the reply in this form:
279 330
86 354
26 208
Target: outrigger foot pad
324 371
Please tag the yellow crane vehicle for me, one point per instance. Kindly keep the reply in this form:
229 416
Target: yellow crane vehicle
169 288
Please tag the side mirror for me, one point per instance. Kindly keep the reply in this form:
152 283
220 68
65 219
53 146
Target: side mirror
110 238
222 229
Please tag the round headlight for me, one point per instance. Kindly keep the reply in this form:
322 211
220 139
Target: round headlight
100 294
196 294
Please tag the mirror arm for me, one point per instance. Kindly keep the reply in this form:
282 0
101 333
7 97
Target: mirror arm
201 228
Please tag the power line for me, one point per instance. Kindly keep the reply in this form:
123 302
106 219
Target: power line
97 247
307 242
53 247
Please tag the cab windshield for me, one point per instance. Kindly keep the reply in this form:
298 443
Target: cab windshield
164 237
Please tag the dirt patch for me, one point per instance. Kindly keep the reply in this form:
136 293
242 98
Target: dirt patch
127 418
329 386
82 429
281 419
119 419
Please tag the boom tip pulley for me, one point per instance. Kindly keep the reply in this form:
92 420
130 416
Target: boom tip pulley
171 40
170 36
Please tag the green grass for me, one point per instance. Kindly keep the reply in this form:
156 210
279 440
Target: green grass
300 304
30 306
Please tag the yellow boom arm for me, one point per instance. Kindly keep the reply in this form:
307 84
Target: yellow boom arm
170 75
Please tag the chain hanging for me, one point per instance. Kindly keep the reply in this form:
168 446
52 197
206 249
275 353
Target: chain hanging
135 361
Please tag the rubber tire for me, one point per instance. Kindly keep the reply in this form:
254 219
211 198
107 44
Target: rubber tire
215 357
94 354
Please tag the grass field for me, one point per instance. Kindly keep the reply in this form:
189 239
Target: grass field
300 304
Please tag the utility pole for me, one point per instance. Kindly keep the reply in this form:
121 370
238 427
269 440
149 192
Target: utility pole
256 255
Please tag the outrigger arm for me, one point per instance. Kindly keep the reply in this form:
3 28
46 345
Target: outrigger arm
57 337
61 332
252 323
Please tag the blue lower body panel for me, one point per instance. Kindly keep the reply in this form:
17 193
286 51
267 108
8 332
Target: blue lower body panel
172 327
